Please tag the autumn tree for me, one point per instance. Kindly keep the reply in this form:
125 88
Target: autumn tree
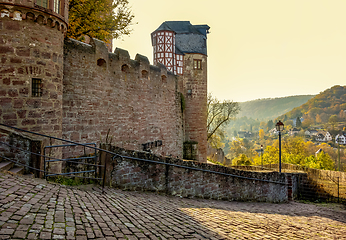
296 151
261 134
307 123
318 119
219 114
101 19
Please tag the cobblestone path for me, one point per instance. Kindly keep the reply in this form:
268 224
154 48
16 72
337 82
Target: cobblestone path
35 209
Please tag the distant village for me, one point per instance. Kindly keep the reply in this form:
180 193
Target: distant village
314 135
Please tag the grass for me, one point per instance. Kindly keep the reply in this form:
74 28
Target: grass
71 181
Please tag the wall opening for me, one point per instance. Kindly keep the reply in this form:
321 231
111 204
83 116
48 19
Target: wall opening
125 68
36 87
101 62
164 79
190 150
145 74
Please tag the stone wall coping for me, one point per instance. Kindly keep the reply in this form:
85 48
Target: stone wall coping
280 177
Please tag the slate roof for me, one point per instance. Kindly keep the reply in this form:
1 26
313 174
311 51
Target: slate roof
183 27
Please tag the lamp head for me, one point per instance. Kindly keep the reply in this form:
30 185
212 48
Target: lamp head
279 126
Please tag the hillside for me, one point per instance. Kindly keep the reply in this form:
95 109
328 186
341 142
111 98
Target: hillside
320 108
271 108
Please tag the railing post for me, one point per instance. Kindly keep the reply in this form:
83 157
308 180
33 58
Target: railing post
338 189
44 164
104 175
95 162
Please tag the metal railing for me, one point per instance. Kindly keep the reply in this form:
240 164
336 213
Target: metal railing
114 155
54 159
72 160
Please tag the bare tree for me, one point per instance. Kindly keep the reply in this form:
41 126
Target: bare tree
219 114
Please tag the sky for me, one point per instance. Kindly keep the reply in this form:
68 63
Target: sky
256 48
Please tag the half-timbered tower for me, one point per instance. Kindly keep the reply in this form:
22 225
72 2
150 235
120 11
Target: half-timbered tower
182 48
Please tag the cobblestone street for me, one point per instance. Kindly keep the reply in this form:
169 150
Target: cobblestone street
35 209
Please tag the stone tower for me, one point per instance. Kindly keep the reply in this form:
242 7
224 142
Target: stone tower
182 48
31 72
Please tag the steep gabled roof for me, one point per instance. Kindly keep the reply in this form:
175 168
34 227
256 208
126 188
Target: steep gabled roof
183 27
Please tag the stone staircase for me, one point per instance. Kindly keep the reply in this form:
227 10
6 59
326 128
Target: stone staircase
10 167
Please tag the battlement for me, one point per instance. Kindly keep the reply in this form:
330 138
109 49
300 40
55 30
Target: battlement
55 8
37 15
138 103
98 50
82 92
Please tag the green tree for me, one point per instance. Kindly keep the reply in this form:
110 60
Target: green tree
270 125
323 161
235 149
270 155
298 122
333 120
241 160
101 19
218 115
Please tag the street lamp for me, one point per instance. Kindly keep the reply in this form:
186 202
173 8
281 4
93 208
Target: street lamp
338 140
279 127
262 156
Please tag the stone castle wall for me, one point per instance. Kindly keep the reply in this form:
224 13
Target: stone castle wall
31 47
87 93
195 81
135 174
139 104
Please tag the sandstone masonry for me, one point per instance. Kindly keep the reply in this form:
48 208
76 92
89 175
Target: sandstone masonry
81 92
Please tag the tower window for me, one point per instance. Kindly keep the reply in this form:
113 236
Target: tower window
197 64
42 3
36 87
57 6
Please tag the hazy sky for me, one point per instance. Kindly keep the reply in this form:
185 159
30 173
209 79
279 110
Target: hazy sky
256 48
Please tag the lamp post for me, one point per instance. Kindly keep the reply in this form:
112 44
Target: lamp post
262 156
339 152
279 127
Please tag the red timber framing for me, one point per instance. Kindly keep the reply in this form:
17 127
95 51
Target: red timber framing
164 51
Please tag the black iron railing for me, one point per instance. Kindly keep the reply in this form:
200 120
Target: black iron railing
114 155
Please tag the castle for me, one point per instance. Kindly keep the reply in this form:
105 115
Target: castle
81 92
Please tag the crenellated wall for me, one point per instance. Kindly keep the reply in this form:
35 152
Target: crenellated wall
81 92
139 104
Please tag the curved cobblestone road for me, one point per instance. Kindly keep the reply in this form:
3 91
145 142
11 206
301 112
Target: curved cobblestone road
35 209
